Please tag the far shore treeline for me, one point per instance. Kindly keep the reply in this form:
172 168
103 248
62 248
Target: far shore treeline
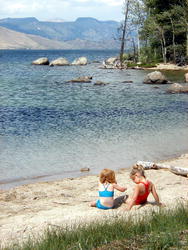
161 28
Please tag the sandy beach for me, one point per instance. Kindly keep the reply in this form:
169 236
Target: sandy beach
169 66
28 210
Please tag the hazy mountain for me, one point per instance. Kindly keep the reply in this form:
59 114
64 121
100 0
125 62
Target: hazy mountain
10 39
89 29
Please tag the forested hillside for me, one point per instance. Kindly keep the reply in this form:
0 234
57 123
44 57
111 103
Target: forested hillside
162 29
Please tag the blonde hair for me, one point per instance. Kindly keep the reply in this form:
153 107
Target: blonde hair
137 169
107 175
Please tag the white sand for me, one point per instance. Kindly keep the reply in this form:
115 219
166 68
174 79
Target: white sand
169 66
30 209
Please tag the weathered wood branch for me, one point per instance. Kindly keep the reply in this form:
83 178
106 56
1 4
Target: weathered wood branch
151 165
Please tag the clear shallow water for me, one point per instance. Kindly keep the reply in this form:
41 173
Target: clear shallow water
49 129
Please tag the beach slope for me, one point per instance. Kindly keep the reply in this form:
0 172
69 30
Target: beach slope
30 209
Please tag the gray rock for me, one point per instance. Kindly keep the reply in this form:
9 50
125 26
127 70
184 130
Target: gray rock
82 79
110 61
80 61
127 81
85 169
155 77
113 63
177 88
100 83
59 62
41 61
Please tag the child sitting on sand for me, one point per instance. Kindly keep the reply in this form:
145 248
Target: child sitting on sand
142 189
107 184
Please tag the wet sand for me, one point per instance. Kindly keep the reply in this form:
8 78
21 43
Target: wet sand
28 210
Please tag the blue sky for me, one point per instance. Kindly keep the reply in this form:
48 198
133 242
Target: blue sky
67 10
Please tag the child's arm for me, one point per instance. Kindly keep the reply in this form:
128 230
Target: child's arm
119 188
132 199
155 195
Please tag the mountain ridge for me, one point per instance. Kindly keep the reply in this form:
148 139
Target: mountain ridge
84 28
10 39
84 32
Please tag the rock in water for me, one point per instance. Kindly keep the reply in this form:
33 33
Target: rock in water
80 61
127 81
155 77
100 83
41 61
82 79
110 61
177 88
113 63
59 62
85 169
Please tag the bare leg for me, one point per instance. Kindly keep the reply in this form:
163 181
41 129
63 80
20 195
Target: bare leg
128 200
93 204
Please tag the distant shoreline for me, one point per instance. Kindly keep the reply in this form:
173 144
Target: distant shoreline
168 66
19 49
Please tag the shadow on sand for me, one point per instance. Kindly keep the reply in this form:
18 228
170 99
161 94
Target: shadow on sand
120 200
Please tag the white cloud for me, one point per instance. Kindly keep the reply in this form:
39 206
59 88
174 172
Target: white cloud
15 7
65 9
112 2
82 1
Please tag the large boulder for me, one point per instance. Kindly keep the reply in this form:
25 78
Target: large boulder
110 61
186 77
41 61
155 77
113 63
80 61
59 62
177 88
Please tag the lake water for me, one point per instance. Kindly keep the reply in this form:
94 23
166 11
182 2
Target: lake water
49 128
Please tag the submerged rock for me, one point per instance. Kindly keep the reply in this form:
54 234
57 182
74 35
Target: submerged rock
127 81
59 62
82 79
80 61
41 61
96 61
177 88
155 77
100 83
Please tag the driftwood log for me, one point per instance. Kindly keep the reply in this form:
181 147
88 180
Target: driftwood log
151 165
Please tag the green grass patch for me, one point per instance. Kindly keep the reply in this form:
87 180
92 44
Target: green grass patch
142 65
165 229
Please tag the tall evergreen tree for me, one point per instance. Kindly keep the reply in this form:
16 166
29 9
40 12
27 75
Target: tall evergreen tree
166 28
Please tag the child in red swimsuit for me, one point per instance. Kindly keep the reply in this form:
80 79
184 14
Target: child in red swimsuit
142 190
